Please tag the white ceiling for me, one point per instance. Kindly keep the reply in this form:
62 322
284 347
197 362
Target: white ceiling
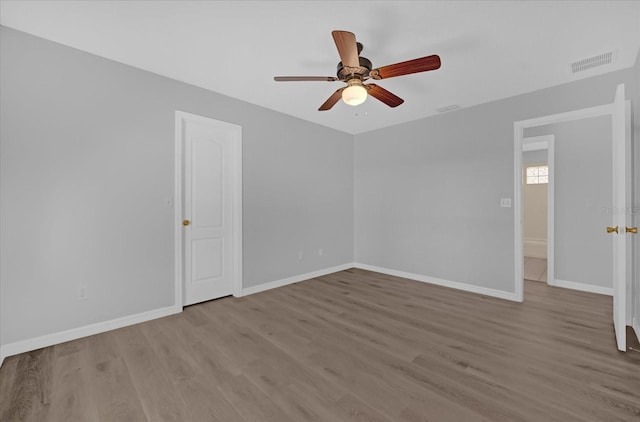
489 49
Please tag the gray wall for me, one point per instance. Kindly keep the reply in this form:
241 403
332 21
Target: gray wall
87 165
87 162
582 190
428 191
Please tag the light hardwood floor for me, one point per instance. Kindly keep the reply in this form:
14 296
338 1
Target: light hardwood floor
351 346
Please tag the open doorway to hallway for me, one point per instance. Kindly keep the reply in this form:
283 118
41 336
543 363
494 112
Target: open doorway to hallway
591 196
536 190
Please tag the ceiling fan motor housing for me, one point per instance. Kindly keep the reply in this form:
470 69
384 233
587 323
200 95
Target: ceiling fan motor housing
346 73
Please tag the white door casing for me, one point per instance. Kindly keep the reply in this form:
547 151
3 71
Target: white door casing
620 144
208 208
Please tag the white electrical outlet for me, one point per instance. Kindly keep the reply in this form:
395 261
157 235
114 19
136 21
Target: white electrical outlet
505 202
83 292
299 255
320 252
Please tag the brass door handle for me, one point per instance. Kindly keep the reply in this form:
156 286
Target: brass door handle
186 222
612 229
633 230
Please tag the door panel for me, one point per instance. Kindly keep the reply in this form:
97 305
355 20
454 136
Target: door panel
209 192
619 214
207 259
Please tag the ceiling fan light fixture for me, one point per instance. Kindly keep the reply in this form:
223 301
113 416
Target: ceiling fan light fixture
354 69
355 93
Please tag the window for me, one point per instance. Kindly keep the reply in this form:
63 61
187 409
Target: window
537 175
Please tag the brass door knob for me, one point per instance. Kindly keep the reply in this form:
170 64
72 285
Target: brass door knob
186 222
612 229
633 230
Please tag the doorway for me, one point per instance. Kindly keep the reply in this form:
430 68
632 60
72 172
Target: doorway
208 208
538 208
617 114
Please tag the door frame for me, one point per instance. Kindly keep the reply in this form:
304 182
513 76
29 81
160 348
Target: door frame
537 143
518 135
236 183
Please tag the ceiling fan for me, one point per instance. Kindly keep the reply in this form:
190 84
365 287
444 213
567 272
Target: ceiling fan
354 70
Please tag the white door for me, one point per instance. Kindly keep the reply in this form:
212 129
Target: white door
619 215
210 207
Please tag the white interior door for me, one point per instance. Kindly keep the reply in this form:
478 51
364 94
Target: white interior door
619 215
210 215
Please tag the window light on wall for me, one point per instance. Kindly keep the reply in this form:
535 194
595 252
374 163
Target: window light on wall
537 175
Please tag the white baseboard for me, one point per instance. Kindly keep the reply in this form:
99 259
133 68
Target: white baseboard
535 248
440 282
635 324
583 287
294 279
87 330
100 327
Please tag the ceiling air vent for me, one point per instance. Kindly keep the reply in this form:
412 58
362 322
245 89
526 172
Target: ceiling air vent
591 62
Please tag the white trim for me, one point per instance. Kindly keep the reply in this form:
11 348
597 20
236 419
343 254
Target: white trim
295 279
56 338
535 143
177 211
87 330
501 294
583 113
635 324
237 213
584 287
180 117
551 212
518 247
535 248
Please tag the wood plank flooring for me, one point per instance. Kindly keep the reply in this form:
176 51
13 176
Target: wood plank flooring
351 346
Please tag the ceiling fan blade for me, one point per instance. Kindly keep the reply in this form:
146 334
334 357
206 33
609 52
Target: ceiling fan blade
304 78
383 95
347 48
422 64
333 99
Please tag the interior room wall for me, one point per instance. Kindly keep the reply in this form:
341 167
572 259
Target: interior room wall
428 192
87 180
534 209
86 150
583 249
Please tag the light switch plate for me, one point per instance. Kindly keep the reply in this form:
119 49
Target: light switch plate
505 202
